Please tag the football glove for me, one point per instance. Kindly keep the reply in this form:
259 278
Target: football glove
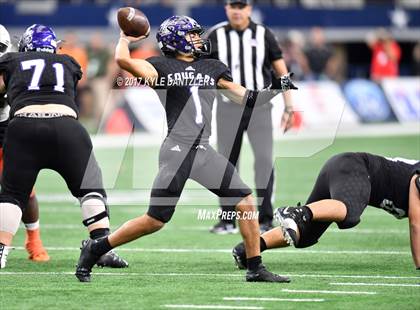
284 83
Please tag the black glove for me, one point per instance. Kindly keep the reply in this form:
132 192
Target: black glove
284 82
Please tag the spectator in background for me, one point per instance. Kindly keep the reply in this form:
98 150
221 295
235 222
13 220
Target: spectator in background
99 58
293 54
72 47
318 56
416 59
144 50
386 54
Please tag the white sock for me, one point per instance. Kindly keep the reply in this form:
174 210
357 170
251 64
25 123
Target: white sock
32 226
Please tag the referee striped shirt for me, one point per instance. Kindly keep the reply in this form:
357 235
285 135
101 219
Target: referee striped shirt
248 53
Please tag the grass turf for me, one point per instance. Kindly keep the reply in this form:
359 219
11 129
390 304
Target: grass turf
204 273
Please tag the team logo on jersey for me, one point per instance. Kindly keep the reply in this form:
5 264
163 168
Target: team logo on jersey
188 78
189 69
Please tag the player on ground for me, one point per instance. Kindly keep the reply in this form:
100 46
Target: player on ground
186 152
44 133
30 216
346 185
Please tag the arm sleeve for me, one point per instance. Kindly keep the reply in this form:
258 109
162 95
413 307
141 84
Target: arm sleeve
274 51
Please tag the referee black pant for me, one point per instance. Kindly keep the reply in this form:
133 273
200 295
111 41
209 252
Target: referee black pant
232 122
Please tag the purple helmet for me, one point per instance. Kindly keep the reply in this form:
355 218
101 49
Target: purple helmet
172 37
38 38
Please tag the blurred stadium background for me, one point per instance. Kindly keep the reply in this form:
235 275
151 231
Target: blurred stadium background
325 43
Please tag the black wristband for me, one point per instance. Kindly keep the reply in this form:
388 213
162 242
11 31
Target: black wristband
418 268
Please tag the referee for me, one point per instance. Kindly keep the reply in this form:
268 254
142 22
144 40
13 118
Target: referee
252 53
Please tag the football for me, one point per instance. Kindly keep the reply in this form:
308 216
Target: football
133 22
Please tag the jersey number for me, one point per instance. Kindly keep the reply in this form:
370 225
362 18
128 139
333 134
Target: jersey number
39 65
197 103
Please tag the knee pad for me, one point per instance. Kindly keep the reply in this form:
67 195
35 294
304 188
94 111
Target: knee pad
94 209
10 216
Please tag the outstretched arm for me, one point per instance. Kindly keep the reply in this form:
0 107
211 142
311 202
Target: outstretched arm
137 67
414 220
241 95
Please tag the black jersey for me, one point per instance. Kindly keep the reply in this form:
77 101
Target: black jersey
191 89
39 78
390 182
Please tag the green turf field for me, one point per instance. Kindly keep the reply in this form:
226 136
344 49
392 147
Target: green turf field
183 264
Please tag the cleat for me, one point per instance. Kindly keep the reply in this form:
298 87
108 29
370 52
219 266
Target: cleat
110 259
263 275
223 228
264 227
291 221
87 260
35 248
239 256
4 252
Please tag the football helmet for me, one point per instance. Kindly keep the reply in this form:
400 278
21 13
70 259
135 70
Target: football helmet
172 37
5 43
38 38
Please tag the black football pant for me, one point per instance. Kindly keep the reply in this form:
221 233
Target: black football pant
232 122
60 144
179 162
343 177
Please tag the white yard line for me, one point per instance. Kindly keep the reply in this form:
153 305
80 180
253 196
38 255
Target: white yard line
212 307
351 276
375 284
296 251
3 272
329 292
274 299
101 141
205 228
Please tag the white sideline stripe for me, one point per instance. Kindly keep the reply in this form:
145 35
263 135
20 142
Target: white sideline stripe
212 307
274 299
46 273
206 228
329 292
229 251
375 284
204 275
